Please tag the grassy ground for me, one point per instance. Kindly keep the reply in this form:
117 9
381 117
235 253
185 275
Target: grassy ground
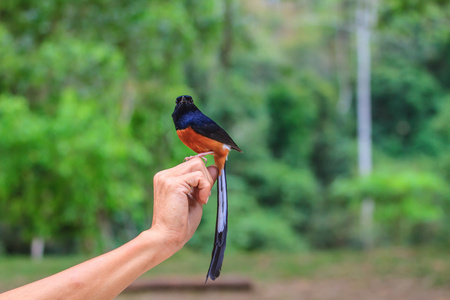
432 264
430 267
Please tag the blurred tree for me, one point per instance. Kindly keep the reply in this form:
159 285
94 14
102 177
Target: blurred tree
403 201
408 84
73 169
405 99
289 136
366 15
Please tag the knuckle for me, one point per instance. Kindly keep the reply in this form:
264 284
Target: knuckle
197 162
159 177
170 185
198 174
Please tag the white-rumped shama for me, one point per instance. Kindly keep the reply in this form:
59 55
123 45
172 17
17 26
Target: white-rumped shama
204 136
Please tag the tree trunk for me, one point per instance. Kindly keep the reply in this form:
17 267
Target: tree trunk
365 18
227 42
106 241
128 102
37 248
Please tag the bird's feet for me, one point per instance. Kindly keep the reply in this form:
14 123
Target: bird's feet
201 155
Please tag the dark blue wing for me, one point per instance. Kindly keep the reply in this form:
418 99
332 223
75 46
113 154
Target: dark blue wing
207 127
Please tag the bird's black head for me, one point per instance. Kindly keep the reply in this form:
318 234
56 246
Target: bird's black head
184 99
184 106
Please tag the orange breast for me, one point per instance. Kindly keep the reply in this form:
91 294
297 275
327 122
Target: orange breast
201 144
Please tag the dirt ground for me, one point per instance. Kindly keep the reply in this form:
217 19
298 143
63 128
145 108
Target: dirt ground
322 289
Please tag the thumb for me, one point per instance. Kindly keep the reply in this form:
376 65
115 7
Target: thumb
214 172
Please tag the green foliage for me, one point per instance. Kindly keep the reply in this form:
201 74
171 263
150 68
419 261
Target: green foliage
279 187
404 99
59 174
409 87
439 125
290 113
96 70
404 201
87 89
251 227
263 230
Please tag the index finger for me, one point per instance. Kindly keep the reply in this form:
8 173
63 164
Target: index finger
202 191
198 184
195 164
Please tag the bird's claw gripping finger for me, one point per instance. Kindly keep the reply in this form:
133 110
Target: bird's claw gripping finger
201 155
194 156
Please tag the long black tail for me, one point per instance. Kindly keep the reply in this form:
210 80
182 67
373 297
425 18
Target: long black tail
220 239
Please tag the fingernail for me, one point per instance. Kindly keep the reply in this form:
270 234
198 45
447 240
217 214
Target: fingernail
207 199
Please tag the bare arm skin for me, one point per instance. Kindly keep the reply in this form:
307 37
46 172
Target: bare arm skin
179 195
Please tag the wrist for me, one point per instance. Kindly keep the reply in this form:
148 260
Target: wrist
160 241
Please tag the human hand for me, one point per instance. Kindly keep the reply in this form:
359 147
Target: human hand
179 194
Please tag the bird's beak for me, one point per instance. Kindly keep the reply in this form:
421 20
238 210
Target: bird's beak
183 99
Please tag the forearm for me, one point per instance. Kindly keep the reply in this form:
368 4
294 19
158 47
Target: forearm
102 277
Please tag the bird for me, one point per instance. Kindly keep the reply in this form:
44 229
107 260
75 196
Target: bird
205 137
